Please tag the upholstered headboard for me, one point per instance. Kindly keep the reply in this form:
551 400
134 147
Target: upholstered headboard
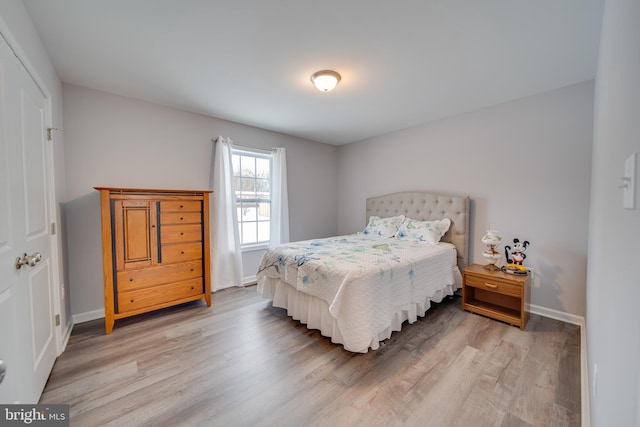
428 207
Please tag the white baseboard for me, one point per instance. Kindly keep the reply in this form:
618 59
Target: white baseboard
584 376
251 280
66 333
555 314
584 362
88 316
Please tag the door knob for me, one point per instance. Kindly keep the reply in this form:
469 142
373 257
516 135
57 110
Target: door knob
30 260
3 369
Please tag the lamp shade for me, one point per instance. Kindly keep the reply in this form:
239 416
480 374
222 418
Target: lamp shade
325 80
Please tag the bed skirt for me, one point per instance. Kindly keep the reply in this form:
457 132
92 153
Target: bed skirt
314 312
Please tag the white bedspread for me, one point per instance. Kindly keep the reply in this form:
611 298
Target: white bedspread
365 280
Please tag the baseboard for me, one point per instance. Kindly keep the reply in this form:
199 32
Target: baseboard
584 371
555 314
251 280
65 337
584 363
88 316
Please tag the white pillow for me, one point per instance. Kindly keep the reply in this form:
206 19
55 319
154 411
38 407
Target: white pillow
383 227
423 231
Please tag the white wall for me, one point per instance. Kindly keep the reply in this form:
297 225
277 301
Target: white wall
526 166
18 28
113 141
613 287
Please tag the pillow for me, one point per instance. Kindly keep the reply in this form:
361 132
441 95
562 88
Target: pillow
383 227
423 231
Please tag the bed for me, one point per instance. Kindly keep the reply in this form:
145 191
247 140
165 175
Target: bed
358 289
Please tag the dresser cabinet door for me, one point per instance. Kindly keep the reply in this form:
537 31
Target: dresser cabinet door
135 234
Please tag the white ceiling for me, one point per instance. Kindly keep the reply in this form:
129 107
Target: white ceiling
403 62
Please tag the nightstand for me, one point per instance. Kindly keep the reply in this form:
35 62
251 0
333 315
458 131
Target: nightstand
496 294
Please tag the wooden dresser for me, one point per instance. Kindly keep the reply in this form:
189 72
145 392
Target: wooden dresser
155 246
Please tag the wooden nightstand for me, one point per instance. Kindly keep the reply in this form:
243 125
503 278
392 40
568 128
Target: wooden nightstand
496 294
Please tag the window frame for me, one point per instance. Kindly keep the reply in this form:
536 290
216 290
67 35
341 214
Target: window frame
256 154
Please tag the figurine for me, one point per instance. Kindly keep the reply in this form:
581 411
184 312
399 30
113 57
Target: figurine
514 262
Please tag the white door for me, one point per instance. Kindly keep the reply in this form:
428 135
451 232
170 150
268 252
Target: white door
27 326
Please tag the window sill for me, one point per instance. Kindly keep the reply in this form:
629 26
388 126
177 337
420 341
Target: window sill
252 248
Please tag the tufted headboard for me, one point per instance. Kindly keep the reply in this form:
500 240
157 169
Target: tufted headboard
428 207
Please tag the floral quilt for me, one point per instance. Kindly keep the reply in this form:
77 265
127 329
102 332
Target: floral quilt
364 279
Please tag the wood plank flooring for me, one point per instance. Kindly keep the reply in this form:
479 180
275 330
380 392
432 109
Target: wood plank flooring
243 362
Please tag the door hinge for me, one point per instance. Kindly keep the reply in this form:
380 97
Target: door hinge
50 133
57 320
53 228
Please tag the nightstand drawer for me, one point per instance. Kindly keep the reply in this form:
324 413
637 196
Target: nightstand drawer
494 285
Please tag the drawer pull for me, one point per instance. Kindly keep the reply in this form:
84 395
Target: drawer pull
490 285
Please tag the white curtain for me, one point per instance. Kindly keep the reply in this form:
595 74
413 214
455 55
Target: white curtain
226 259
279 198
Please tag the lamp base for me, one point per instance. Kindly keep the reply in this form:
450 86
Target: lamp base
492 267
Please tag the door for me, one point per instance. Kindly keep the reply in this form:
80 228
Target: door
27 327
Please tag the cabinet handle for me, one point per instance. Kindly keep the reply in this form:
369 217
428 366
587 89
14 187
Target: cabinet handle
490 285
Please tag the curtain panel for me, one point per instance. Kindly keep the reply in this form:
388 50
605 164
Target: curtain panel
226 259
279 198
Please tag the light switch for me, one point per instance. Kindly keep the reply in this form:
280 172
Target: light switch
629 183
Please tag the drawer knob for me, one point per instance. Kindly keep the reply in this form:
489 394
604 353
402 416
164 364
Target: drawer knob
181 206
182 252
131 301
181 233
181 218
131 280
192 288
491 285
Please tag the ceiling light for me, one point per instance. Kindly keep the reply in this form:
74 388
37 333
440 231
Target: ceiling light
325 80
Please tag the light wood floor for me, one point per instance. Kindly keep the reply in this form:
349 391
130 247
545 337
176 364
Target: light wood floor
244 363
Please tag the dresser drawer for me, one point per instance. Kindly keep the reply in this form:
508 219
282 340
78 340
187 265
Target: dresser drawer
180 233
179 252
180 206
143 278
135 300
493 285
180 218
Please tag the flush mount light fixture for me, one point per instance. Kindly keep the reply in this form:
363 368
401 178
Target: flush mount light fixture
325 80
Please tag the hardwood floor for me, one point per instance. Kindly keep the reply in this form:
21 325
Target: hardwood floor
244 363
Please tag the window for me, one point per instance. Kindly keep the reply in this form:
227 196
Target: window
252 182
